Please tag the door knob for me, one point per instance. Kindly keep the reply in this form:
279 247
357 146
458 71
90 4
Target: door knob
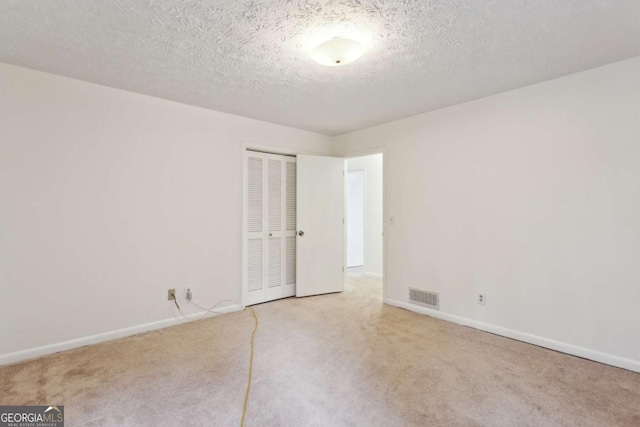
300 233
270 234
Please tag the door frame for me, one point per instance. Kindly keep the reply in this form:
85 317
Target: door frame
364 153
247 145
245 212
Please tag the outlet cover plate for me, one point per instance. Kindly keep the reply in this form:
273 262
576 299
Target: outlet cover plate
170 294
482 299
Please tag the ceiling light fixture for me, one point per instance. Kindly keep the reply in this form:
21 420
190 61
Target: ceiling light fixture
337 52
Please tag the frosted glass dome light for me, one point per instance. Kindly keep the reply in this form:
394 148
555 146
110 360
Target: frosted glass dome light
337 52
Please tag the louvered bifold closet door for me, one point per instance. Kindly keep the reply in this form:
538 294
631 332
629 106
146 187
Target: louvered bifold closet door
274 228
271 227
290 227
255 256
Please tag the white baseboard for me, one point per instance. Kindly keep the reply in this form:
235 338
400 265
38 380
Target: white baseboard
20 356
606 358
373 275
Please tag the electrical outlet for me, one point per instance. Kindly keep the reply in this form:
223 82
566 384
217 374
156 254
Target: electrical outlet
187 294
482 299
171 294
392 220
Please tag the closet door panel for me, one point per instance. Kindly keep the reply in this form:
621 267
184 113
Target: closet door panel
256 246
274 217
289 250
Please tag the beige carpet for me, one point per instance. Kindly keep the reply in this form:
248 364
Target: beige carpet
332 360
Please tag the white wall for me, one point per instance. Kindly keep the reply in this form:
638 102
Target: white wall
372 167
531 196
355 218
108 198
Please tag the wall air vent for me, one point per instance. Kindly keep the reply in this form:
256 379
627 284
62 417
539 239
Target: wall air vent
428 299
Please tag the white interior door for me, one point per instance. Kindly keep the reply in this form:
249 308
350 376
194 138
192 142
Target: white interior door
320 223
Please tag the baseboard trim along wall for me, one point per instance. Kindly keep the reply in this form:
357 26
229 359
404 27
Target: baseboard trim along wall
606 358
31 353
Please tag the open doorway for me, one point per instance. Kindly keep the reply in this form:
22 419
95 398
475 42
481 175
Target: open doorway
364 213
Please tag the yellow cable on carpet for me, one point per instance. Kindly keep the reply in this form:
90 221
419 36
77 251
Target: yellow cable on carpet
246 398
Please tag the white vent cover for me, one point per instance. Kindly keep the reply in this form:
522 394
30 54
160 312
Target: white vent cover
428 299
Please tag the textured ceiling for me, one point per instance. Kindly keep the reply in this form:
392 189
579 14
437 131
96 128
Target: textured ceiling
250 57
